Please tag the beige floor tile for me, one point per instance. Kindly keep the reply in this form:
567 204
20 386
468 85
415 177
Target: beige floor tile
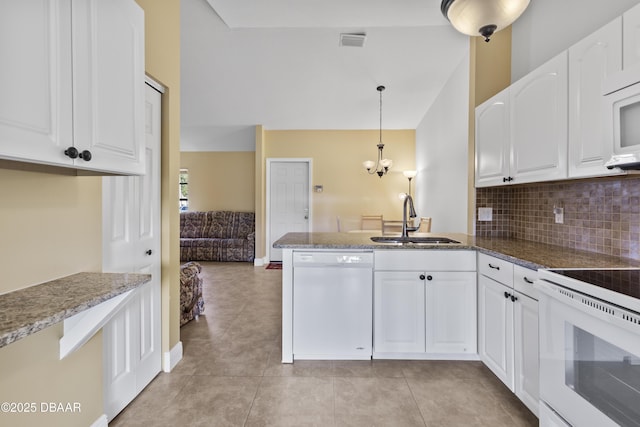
375 402
293 401
212 401
231 374
153 399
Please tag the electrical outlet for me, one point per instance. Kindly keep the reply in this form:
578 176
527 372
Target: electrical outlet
559 215
485 214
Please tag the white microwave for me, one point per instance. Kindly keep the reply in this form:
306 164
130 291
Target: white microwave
622 118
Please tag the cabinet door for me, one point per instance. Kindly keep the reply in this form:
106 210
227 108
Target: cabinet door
631 37
451 312
495 328
398 320
108 84
591 61
526 351
35 81
492 141
538 123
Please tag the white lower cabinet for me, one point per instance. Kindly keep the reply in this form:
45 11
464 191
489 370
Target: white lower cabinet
508 326
495 331
399 312
421 311
526 351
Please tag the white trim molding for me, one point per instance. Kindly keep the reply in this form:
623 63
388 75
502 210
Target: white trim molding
172 357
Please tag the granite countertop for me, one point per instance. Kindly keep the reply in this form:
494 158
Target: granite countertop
29 310
521 252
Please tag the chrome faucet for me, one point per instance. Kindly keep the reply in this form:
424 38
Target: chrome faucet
412 214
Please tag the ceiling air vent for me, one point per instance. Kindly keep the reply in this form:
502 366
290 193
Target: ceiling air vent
352 39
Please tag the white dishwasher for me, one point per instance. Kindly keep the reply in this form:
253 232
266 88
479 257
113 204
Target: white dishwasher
332 305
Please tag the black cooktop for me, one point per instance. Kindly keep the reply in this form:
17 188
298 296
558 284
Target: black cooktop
623 281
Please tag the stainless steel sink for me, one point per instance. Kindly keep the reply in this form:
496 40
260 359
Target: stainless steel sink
413 239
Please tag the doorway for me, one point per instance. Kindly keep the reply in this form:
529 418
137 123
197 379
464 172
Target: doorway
288 200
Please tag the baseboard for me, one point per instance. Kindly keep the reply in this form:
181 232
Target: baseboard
101 422
172 357
259 262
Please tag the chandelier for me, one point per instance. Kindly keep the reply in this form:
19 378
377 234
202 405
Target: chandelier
482 17
381 166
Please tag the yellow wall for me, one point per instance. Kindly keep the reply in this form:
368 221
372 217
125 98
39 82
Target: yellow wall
220 180
337 158
162 49
51 226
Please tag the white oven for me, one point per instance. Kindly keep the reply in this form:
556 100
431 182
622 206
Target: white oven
590 347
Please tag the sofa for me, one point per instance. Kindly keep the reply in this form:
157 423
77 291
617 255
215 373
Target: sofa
217 236
191 301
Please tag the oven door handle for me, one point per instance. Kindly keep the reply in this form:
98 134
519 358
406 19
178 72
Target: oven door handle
625 319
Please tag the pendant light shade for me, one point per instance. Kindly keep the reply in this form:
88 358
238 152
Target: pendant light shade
482 17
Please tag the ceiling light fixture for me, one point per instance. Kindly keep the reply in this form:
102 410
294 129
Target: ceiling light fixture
482 17
382 166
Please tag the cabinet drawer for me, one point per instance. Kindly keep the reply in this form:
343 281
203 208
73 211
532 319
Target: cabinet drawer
523 279
496 268
424 260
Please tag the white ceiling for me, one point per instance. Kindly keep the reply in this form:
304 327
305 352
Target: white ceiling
278 63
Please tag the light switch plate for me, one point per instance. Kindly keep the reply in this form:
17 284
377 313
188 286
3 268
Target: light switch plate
485 214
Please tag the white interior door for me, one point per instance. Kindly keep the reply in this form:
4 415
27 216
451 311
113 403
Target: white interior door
131 243
288 201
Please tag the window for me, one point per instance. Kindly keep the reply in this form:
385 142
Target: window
184 190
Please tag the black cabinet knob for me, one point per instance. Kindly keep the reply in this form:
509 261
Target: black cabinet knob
85 155
506 294
71 152
149 252
422 277
514 298
429 277
504 179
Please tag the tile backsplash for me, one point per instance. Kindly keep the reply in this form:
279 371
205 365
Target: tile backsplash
600 215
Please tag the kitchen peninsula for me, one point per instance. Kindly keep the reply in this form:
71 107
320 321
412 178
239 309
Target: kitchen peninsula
451 258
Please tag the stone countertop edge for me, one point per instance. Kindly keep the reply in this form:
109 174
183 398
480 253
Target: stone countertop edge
524 253
26 311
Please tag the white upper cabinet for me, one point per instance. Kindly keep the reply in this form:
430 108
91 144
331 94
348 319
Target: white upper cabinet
538 123
631 36
492 141
108 96
591 61
73 80
521 133
35 80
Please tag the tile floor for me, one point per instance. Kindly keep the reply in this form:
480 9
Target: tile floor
231 375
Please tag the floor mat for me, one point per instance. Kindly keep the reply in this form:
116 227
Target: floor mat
274 266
